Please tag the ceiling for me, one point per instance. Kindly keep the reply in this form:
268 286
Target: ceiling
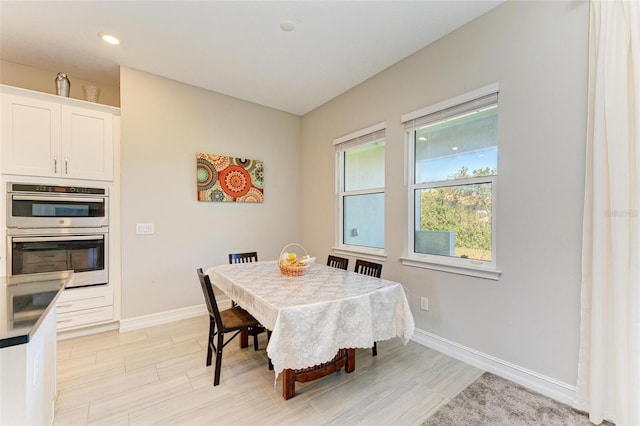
232 47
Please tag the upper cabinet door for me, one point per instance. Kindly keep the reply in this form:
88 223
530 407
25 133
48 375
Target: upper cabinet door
30 136
52 136
87 144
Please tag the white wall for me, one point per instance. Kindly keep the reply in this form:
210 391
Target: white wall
164 124
537 51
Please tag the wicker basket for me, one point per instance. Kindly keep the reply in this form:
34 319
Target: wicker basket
293 269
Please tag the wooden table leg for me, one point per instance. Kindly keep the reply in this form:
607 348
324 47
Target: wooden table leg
244 338
351 361
344 358
288 383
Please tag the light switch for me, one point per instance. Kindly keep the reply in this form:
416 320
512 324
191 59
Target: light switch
144 228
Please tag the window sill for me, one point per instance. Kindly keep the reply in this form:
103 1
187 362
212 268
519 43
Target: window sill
364 252
468 269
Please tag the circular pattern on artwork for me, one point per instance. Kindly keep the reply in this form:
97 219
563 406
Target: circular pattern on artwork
253 196
219 162
245 163
257 175
217 195
206 175
235 181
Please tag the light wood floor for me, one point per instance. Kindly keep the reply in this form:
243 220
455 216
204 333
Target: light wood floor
157 375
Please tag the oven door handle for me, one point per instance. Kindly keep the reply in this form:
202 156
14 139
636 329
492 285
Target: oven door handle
44 239
56 198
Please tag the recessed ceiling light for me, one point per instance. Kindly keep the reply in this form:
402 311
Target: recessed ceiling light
455 148
422 138
287 26
108 38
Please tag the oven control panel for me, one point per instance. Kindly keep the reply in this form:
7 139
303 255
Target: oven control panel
28 187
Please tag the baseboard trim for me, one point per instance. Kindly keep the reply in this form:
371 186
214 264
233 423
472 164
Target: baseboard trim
86 331
540 383
161 318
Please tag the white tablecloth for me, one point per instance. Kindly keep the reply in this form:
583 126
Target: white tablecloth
314 315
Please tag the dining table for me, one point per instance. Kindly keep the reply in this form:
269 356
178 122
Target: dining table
317 319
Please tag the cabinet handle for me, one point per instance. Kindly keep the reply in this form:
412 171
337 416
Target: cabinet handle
55 164
66 165
64 320
68 305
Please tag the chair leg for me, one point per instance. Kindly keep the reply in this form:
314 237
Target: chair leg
244 338
210 341
374 350
269 338
255 340
216 377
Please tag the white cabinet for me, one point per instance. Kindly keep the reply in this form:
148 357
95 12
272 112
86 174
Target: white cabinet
28 371
87 144
84 306
50 136
31 136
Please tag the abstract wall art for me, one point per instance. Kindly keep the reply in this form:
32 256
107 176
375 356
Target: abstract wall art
229 179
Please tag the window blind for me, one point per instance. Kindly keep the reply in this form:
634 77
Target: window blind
370 134
443 114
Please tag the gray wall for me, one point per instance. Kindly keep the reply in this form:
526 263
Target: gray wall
164 124
537 51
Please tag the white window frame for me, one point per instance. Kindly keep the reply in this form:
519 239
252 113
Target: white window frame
341 144
471 267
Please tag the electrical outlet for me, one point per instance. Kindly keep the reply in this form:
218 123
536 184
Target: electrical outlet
424 303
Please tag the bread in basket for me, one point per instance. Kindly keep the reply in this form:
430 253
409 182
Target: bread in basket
292 264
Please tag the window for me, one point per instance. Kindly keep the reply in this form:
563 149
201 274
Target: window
360 190
453 152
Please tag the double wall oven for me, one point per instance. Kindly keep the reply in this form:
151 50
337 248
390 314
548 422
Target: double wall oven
58 228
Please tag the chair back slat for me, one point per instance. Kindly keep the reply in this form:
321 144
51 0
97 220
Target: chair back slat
337 262
368 268
209 296
251 256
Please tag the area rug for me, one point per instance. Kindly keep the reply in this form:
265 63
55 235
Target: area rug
492 400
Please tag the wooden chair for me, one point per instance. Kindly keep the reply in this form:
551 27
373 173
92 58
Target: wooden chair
251 256
374 270
337 262
231 320
368 268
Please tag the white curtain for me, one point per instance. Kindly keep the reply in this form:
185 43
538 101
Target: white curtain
609 361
